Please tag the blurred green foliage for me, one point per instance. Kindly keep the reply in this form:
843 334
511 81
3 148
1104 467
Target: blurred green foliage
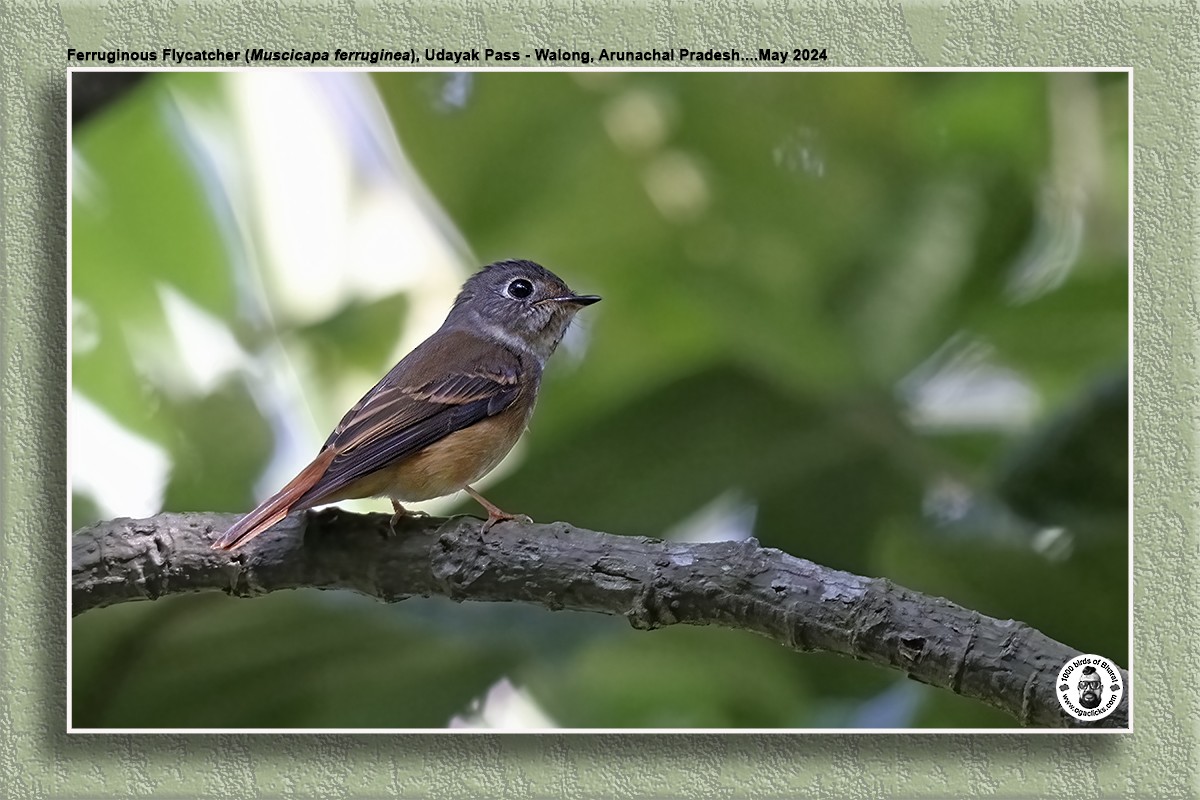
783 257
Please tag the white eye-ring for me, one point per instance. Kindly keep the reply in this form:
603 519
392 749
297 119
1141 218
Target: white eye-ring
520 289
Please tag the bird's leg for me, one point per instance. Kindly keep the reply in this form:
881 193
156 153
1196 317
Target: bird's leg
396 517
401 513
495 513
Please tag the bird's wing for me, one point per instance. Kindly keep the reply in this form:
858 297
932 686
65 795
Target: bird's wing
398 422
419 402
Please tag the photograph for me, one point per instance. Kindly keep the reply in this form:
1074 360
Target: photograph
599 399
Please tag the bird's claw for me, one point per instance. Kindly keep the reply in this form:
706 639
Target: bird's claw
493 519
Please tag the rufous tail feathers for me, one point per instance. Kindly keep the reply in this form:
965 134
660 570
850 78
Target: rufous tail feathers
276 507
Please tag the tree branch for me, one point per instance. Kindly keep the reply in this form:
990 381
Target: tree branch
652 583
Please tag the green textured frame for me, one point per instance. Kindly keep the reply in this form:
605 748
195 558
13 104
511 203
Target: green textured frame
37 757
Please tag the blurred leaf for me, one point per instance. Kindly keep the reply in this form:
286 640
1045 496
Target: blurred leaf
361 334
1064 339
140 220
283 660
219 449
677 677
1074 470
84 511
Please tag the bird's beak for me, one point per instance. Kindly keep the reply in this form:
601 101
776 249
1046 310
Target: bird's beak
575 299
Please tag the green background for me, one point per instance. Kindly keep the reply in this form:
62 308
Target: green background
1156 761
840 234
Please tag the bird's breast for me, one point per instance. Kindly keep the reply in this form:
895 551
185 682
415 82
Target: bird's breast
450 463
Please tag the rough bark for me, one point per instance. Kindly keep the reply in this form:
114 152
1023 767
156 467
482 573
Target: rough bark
652 583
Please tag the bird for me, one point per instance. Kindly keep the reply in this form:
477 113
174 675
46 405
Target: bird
448 412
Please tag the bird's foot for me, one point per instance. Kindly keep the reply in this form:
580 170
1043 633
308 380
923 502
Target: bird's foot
495 513
400 513
493 518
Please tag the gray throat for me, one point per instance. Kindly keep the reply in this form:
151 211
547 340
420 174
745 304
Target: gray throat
501 335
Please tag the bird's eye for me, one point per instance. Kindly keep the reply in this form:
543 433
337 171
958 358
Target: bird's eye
520 289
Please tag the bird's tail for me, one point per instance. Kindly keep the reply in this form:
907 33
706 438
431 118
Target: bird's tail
276 507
